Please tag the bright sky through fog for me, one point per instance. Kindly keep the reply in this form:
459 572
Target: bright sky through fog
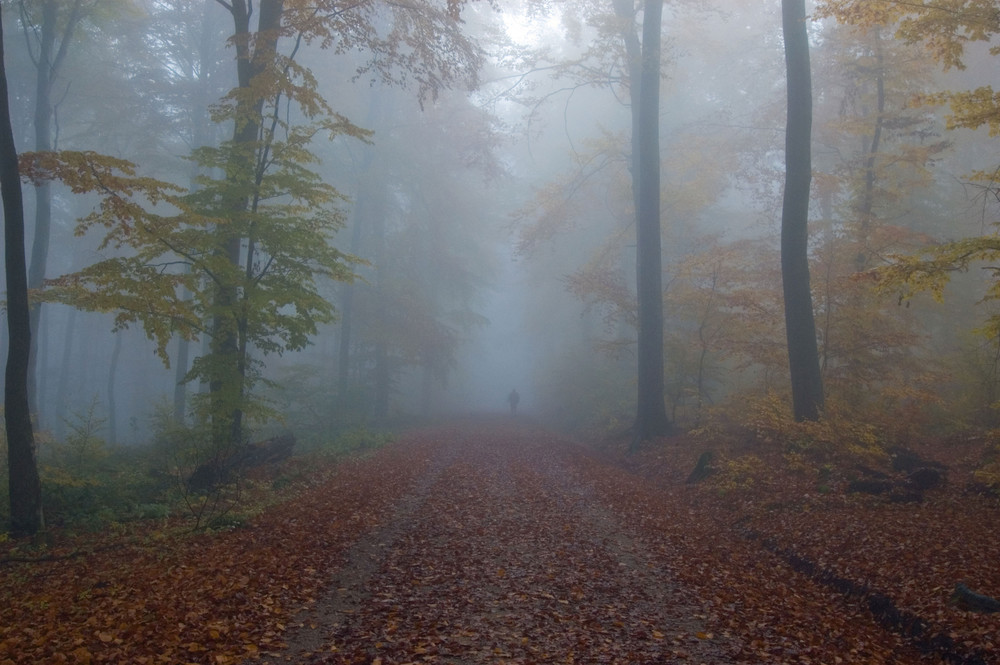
528 30
519 27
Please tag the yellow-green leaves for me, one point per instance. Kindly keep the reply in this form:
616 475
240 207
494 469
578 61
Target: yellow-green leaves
944 27
931 270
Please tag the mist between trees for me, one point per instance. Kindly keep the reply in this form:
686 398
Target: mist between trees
346 216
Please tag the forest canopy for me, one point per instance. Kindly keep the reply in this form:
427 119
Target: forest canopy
245 218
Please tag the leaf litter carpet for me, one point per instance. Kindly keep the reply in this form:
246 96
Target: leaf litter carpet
503 554
486 541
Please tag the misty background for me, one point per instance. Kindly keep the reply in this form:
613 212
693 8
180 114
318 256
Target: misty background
496 222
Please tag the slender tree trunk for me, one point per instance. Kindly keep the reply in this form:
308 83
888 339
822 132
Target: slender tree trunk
254 52
181 366
625 12
62 390
24 486
383 374
112 402
199 137
426 391
367 206
866 206
651 415
800 326
383 382
43 191
51 54
347 303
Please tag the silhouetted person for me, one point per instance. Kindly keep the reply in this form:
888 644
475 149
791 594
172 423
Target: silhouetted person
513 398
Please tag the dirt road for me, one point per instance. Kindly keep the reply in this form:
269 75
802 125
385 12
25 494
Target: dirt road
501 552
492 541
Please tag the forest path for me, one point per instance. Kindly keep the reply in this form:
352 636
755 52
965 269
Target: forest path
501 552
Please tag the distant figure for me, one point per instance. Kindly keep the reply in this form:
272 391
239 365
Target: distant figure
513 398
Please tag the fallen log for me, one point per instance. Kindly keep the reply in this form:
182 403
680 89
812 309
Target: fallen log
881 606
967 599
221 471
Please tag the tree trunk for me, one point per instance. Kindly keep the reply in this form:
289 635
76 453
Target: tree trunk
24 486
43 191
60 412
866 206
181 366
49 59
382 372
253 54
199 137
800 326
383 383
368 206
651 415
112 401
347 306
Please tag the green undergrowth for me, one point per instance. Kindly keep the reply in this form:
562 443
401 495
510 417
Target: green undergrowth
90 485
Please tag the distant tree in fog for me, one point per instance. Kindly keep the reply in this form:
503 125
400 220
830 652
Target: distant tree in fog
50 29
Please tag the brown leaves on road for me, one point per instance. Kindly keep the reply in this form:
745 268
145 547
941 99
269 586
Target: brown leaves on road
510 559
491 542
208 598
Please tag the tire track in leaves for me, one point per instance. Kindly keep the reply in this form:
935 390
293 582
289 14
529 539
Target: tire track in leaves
346 593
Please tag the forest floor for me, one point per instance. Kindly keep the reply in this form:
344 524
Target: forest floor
495 541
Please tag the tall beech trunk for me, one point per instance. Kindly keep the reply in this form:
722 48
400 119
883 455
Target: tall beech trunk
25 487
644 71
254 52
181 366
800 326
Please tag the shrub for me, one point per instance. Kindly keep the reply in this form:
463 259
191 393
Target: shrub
85 482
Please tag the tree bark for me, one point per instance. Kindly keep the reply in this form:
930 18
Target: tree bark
800 325
62 389
24 486
253 53
651 415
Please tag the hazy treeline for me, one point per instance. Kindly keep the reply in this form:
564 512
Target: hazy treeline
493 218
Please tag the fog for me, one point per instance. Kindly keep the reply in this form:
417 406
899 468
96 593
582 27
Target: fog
491 212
